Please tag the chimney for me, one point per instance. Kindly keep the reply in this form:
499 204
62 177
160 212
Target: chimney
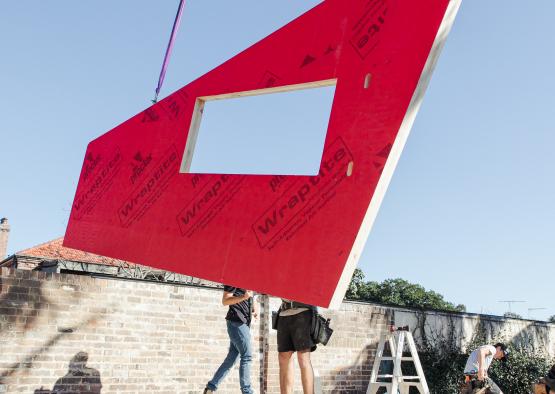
4 233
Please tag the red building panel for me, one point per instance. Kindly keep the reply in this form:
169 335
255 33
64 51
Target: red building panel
297 237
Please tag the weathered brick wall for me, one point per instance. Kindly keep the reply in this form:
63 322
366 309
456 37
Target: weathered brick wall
141 337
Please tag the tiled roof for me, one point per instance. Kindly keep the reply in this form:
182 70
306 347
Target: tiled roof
55 250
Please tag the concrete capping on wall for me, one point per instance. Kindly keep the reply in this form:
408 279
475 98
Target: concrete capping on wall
465 325
446 313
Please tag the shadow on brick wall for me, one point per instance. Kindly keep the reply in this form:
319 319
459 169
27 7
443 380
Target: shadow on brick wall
355 379
21 303
27 362
79 378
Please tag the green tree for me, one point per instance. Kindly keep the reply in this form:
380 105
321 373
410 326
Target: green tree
356 285
551 319
525 365
398 292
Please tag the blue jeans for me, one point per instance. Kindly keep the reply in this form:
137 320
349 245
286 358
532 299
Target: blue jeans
240 346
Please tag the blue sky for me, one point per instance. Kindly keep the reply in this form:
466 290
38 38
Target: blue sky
469 212
266 129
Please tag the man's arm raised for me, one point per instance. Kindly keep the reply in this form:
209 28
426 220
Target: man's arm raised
229 299
484 351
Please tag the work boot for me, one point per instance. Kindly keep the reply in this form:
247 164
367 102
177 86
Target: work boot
207 391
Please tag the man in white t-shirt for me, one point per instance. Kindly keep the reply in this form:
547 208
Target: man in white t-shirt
479 361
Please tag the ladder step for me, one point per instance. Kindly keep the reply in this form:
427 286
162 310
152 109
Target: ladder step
397 341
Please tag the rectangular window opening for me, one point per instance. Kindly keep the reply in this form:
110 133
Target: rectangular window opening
274 131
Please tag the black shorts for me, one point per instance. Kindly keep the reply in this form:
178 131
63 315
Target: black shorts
293 332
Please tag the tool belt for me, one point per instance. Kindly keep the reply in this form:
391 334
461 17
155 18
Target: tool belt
473 382
285 305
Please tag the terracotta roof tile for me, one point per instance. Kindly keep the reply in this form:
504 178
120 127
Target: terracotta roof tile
55 250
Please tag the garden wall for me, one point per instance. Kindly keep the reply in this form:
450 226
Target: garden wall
122 336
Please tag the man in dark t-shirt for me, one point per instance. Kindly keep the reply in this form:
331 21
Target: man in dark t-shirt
238 319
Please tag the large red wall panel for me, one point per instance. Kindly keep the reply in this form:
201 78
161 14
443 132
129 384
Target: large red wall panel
297 237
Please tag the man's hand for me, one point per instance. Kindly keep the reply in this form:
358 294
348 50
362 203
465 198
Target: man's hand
481 374
248 295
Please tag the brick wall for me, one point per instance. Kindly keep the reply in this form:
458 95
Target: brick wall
141 337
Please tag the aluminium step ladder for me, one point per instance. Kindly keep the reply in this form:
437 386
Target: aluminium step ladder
396 338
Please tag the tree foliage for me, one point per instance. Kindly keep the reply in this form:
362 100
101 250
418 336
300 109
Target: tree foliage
524 367
551 319
398 292
443 366
443 363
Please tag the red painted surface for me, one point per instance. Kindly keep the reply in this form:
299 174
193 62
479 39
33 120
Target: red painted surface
288 236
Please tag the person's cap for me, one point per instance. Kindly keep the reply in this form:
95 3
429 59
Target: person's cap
503 349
